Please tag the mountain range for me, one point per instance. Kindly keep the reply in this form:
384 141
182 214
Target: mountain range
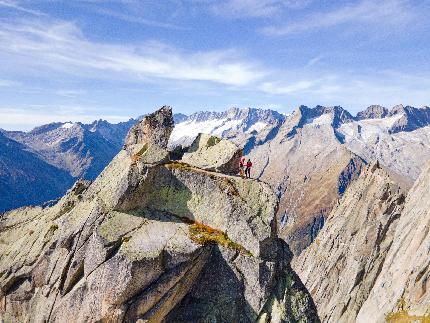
42 164
308 157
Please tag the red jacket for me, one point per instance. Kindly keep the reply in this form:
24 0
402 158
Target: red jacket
249 164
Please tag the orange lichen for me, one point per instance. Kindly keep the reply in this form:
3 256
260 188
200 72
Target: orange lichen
178 165
402 315
136 157
203 234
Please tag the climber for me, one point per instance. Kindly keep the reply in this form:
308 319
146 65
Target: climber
248 168
242 166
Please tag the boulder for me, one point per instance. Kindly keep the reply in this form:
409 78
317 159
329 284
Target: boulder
212 153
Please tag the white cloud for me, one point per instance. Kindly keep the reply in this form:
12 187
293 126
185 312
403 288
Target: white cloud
137 19
377 13
62 46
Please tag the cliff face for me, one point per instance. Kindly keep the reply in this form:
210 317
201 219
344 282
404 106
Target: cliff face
403 288
341 266
151 239
370 263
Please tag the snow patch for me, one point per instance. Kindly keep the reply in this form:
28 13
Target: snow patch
258 126
227 126
368 129
68 125
190 129
321 120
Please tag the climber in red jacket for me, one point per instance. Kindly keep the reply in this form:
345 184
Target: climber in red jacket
248 168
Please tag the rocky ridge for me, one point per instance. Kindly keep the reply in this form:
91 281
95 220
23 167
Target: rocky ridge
151 239
373 112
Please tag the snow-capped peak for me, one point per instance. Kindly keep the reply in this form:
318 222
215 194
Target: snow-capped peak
245 120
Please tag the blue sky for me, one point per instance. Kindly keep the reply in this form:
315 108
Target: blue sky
84 60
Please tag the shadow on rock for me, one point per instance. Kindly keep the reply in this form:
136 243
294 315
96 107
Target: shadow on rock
216 296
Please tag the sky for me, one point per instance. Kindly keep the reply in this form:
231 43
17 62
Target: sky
81 60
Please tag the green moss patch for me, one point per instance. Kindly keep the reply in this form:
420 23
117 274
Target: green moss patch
67 207
212 141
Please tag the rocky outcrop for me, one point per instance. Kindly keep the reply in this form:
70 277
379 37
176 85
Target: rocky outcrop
341 266
154 129
215 154
158 241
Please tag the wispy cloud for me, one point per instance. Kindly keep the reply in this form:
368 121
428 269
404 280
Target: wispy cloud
70 93
313 61
254 8
137 19
61 45
376 13
354 91
8 83
14 5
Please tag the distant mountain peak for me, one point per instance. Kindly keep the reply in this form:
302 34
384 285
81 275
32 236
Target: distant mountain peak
338 114
412 118
46 128
373 112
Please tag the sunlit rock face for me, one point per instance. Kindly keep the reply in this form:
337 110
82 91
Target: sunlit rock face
341 265
151 239
154 129
370 262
